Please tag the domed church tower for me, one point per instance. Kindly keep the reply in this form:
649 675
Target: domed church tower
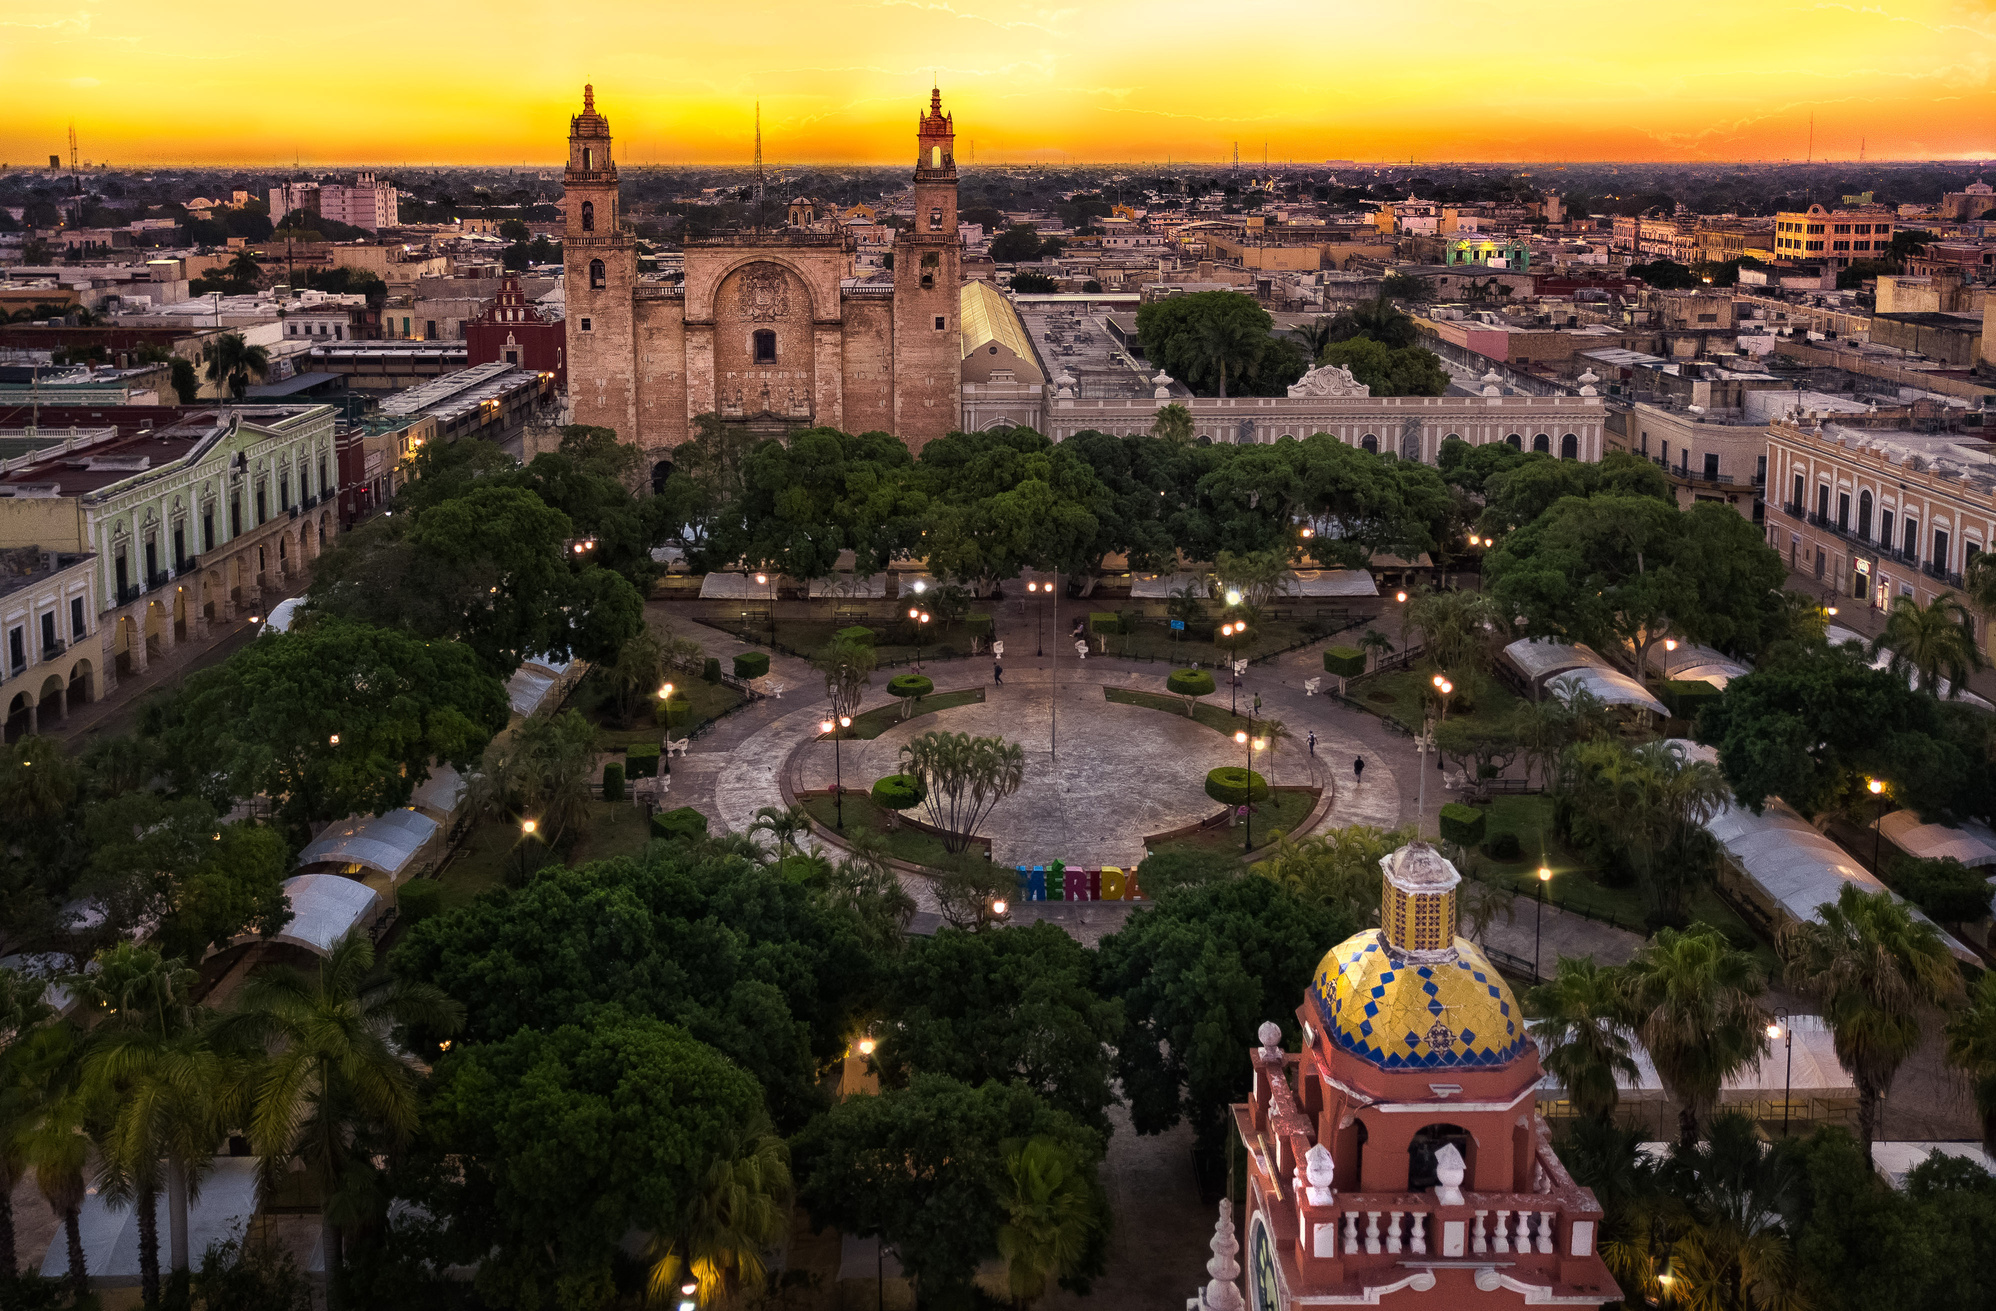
1400 1159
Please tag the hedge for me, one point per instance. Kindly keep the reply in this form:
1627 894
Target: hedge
1190 682
613 781
684 822
711 671
1231 785
418 900
1686 696
641 760
897 792
751 664
857 633
906 685
1462 825
1344 661
1105 623
1504 846
977 625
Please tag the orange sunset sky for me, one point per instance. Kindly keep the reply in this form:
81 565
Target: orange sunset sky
492 82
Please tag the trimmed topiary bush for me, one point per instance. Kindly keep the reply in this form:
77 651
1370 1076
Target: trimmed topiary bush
1190 682
1686 696
711 671
977 625
1504 846
1462 825
1105 623
910 688
613 781
1344 661
418 900
897 792
684 822
1233 785
751 664
641 760
857 633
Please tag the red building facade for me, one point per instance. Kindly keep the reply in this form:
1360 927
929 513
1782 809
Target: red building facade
512 329
1399 1160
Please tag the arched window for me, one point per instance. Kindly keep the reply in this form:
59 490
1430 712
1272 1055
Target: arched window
1430 1139
1517 442
1864 515
765 346
1542 442
1369 443
588 213
1569 447
588 161
935 156
596 273
659 473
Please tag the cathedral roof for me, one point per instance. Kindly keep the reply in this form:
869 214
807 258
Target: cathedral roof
1400 1014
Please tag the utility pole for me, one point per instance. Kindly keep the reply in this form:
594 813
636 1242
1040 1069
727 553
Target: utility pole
758 165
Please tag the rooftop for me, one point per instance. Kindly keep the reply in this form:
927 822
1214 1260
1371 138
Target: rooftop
93 466
26 566
447 397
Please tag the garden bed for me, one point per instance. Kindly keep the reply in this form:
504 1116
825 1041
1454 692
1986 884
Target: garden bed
915 843
1218 718
1403 696
873 723
1285 810
597 702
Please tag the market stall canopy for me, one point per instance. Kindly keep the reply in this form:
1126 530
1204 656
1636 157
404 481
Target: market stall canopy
1611 686
1161 587
1817 1072
441 793
1540 657
734 587
1903 829
1896 1160
850 587
380 842
324 909
281 616
1329 582
218 1214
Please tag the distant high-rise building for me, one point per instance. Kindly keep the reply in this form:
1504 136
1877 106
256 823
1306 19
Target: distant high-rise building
366 204
1834 236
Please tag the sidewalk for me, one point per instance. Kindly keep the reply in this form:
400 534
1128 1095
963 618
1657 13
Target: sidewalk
113 714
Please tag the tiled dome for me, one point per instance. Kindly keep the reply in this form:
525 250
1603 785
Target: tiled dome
1448 1014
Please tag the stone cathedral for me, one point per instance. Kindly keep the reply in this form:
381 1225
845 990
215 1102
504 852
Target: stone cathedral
770 329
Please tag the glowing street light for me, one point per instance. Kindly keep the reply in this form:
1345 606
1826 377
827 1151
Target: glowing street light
838 767
529 827
866 1046
1233 596
334 740
1877 789
1401 597
1538 937
1040 616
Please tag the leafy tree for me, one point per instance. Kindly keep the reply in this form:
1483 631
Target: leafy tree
847 665
962 778
1015 1004
1377 320
1198 971
1206 338
1006 500
1933 642
1944 888
1034 284
1016 245
1693 996
925 1168
1877 971
1665 275
1408 371
336 718
232 362
1337 869
550 1146
1579 1020
174 863
1971 1048
1400 286
822 492
334 1089
1648 805
589 478
766 970
1054 1209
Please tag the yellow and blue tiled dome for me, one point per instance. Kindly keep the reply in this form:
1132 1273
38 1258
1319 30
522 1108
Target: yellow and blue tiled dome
1417 1015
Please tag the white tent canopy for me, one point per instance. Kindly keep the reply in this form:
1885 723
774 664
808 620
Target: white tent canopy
1838 635
221 1211
1538 657
1896 1160
441 793
380 842
1690 660
848 587
1159 587
324 909
281 615
1903 829
734 587
1330 582
527 689
1816 1071
1611 686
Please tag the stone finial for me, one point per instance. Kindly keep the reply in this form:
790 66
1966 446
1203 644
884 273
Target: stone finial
1493 383
1221 1293
1270 1034
1587 381
1448 1175
1064 385
1322 1171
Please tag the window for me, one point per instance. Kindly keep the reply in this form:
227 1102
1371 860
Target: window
1798 492
262 504
1516 442
588 163
1885 529
930 263
284 490
941 323
152 561
1864 515
429 329
1823 502
17 649
1940 548
1843 512
936 220
235 514
512 357
585 325
1708 318
765 346
1711 467
588 215
179 548
935 156
1542 442
48 634
1569 447
77 632
596 279
1912 548
1369 443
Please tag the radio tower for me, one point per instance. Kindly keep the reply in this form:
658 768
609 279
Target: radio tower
758 164
72 147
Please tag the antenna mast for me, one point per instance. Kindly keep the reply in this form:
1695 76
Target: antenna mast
758 165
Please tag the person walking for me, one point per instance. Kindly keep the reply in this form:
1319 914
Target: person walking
997 673
1313 741
1358 770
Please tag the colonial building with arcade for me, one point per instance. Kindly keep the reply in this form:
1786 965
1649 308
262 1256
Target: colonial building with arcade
1399 1160
770 328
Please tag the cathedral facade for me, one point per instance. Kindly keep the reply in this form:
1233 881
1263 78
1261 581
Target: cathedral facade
772 329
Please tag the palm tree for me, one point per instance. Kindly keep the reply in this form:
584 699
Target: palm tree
1693 998
741 1211
1377 644
1934 641
638 672
1733 1250
1454 629
1277 733
545 770
52 1138
21 1013
1971 1048
1580 1023
245 269
1981 583
1338 867
155 1074
783 825
962 778
1051 1213
234 361
1876 970
334 1084
1481 902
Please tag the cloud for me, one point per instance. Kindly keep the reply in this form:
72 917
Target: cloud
78 22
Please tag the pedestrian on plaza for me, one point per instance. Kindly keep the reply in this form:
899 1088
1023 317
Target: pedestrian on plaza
1257 703
997 673
1313 741
1358 770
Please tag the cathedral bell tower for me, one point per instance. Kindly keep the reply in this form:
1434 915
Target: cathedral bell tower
601 266
928 278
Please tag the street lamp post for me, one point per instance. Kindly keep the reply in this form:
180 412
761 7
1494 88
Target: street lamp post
921 618
1783 1030
1539 933
1234 679
1253 744
764 580
1040 617
838 769
665 708
1878 823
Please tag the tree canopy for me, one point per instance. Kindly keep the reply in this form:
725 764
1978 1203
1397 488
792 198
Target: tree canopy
1219 343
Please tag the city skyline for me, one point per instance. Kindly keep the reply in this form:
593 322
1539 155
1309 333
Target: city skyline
1434 83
